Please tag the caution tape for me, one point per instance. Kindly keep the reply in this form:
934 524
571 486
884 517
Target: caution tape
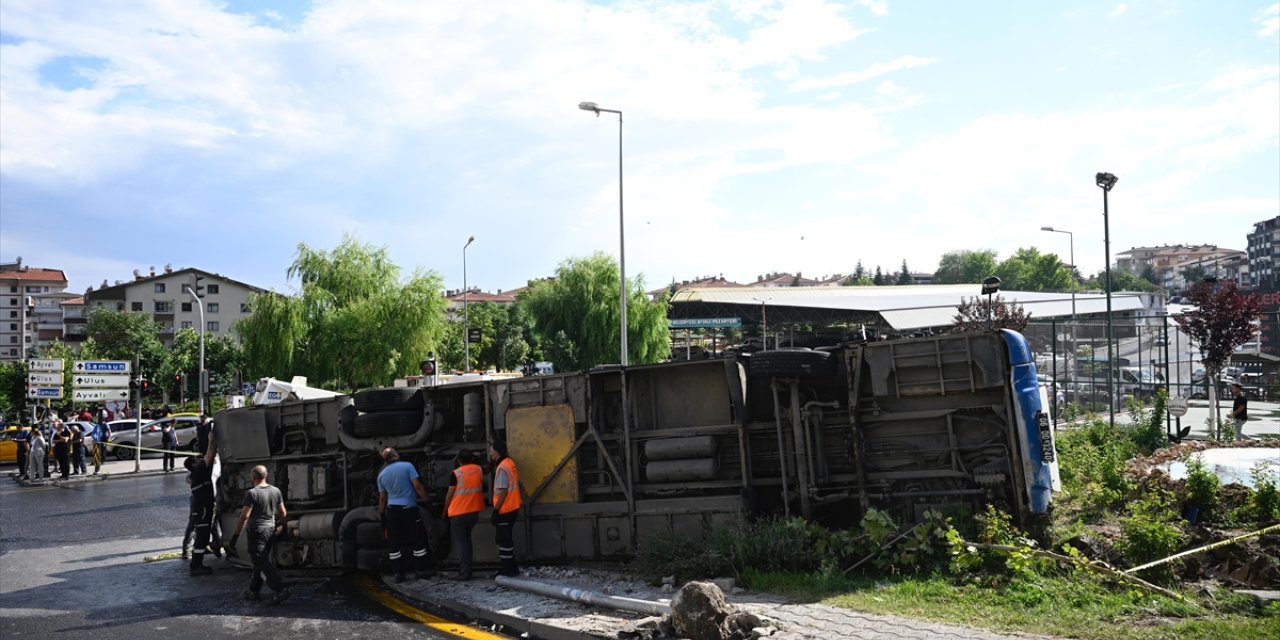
176 452
168 555
1207 547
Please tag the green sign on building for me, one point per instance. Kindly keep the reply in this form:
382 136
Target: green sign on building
706 323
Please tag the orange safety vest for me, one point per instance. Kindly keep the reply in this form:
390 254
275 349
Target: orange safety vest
467 497
513 492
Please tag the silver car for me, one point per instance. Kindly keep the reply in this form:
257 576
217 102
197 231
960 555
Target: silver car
125 440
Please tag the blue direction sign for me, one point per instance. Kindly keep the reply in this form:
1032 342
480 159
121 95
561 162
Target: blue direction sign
45 392
101 366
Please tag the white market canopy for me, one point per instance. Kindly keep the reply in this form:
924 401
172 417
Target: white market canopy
903 307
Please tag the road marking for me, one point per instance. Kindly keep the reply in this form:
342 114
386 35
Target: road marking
435 623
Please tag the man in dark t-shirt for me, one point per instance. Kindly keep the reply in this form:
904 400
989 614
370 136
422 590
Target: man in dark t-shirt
263 510
201 518
1239 410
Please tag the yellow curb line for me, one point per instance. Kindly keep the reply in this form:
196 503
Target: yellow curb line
435 623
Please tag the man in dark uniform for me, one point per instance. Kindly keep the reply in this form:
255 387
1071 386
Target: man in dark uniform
62 449
23 439
1240 411
201 468
399 492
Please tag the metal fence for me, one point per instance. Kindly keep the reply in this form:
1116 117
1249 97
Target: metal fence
1148 352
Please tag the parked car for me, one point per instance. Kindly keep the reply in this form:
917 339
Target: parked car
124 441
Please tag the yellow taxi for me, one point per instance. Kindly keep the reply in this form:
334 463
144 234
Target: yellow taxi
8 447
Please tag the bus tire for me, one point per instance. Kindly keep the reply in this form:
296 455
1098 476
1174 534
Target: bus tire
387 399
369 534
387 423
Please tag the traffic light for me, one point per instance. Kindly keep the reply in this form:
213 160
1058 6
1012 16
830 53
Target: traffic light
199 288
144 387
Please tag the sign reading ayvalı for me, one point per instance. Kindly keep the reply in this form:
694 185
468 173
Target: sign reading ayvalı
44 379
101 366
85 381
45 365
97 395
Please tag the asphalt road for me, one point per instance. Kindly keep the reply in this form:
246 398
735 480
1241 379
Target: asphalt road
71 566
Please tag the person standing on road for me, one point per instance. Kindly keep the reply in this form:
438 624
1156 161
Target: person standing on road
1239 410
101 434
169 441
463 503
399 491
62 449
77 451
37 468
201 518
22 439
263 505
506 507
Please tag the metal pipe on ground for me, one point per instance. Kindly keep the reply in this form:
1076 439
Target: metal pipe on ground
572 594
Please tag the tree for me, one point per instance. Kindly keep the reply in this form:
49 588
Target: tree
502 343
223 358
1222 320
575 316
13 378
878 279
1122 280
904 276
124 335
1149 274
1194 273
977 314
1029 270
965 267
354 323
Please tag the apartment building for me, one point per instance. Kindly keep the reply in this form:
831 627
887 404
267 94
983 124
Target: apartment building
163 296
1264 253
30 307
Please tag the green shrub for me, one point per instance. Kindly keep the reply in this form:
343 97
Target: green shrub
1265 505
1202 487
1149 534
1149 426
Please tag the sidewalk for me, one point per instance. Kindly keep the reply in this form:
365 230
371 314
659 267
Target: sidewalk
484 601
152 465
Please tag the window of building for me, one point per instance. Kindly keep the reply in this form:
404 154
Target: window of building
244 307
136 306
13 314
186 307
213 307
164 306
159 287
13 302
186 324
13 352
31 289
13 339
119 306
213 288
212 325
13 288
13 326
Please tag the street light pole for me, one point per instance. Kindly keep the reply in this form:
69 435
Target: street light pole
1106 181
200 378
466 314
1071 237
764 323
622 235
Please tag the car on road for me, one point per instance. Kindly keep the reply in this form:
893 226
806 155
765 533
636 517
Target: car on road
9 446
124 441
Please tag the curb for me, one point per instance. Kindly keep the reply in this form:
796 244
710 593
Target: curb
514 625
83 479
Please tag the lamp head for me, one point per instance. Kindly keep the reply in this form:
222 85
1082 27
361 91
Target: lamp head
469 241
589 106
1106 180
990 285
1046 228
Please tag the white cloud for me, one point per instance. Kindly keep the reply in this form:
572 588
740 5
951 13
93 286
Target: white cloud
1119 9
854 77
1269 18
878 7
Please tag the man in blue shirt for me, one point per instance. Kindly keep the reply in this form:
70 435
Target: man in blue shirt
399 491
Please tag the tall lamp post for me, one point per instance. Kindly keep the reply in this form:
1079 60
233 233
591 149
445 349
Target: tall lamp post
466 314
989 288
1072 239
622 236
199 307
764 323
1106 181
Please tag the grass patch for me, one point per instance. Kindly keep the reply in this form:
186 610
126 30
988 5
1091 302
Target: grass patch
1078 606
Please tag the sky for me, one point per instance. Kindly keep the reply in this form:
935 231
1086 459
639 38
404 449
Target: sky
757 136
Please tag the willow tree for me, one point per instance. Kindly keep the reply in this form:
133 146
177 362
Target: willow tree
354 322
576 319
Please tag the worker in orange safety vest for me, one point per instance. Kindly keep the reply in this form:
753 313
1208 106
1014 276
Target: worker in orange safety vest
464 501
506 507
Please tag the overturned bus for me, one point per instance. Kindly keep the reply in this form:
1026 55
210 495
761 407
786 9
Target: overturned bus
610 456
